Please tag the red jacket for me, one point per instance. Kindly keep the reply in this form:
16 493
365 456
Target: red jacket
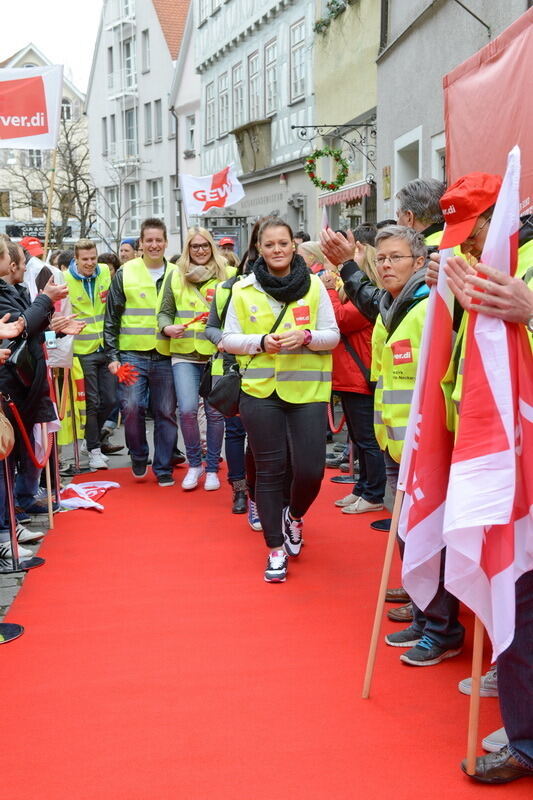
347 376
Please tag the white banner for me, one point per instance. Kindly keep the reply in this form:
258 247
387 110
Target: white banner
220 190
30 107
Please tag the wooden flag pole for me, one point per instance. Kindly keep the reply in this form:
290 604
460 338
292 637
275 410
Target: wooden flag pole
378 616
473 717
50 201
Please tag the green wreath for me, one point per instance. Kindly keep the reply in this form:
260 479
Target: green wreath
342 173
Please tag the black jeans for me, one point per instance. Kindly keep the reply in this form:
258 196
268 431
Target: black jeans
359 411
100 395
273 426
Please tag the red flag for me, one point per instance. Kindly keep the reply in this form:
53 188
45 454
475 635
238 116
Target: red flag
488 527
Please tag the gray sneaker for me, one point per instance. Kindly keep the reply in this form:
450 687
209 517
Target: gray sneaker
276 568
409 637
488 684
495 741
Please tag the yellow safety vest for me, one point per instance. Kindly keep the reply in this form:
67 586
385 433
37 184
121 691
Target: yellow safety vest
89 311
66 432
138 324
298 376
190 302
394 390
221 296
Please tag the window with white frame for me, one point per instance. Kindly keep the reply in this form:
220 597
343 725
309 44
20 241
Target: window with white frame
148 123
157 200
203 10
210 112
254 87
134 208
171 125
158 121
223 104
297 61
237 84
190 132
35 157
104 137
145 50
128 54
66 110
110 68
130 132
111 209
271 77
112 134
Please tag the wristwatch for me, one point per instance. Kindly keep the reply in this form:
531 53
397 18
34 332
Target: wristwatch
308 337
530 324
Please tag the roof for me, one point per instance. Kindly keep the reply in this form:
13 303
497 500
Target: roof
172 15
15 59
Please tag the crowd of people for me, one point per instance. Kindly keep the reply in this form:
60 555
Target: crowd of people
297 320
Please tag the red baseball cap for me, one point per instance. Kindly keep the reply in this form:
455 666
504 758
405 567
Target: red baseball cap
464 202
227 240
32 245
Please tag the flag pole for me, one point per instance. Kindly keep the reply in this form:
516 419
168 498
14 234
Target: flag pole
50 201
44 436
398 500
473 717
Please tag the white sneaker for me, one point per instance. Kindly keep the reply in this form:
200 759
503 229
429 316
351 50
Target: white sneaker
24 535
488 685
361 506
276 568
211 482
192 477
23 552
347 501
96 460
495 741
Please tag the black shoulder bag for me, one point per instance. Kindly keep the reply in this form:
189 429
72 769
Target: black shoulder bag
364 370
225 394
206 381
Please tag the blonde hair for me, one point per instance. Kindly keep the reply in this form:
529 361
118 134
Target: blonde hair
3 246
315 251
230 257
217 259
83 244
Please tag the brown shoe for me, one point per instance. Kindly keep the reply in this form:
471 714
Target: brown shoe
500 767
401 614
111 449
397 596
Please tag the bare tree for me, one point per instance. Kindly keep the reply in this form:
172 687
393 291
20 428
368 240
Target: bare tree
112 212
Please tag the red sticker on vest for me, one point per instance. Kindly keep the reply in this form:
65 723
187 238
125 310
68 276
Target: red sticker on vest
209 295
103 295
402 351
301 315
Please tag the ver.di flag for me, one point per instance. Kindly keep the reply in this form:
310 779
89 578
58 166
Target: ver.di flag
220 190
488 523
30 107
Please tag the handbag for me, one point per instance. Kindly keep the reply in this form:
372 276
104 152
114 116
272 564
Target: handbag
21 362
7 435
226 393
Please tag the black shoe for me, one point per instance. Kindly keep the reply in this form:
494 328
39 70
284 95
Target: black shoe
111 449
500 767
139 468
177 458
381 525
240 502
166 479
334 462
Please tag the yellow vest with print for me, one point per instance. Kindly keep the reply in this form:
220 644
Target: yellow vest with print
88 311
298 376
222 294
190 305
379 337
399 361
138 324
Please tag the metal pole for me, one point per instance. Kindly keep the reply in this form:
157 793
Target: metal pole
50 200
73 421
12 517
44 437
57 476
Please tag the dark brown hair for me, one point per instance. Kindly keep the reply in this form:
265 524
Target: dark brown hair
153 222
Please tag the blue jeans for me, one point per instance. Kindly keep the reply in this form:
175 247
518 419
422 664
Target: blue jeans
187 376
235 440
155 379
359 411
515 676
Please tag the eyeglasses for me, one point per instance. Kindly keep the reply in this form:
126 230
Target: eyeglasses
197 247
476 233
380 260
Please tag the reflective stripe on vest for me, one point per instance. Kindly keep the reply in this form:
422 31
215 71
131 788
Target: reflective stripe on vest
92 312
188 306
301 377
138 324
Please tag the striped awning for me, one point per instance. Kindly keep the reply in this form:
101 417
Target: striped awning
356 191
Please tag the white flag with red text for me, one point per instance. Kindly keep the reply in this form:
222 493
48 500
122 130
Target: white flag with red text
30 107
427 451
199 194
488 524
85 495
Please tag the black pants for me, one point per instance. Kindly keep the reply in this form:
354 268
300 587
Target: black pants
359 411
100 395
273 427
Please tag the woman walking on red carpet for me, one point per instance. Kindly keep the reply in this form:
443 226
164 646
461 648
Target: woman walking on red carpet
281 324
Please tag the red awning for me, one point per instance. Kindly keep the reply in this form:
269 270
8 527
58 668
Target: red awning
346 194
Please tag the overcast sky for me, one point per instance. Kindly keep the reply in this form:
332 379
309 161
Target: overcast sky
64 30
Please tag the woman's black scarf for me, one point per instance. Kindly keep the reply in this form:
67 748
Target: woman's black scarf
288 289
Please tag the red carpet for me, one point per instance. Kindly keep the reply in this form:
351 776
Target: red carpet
157 664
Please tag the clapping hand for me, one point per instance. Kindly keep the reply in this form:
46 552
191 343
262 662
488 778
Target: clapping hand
10 330
67 324
55 292
4 355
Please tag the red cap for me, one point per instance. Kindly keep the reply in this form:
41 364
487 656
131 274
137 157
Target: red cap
226 240
464 202
32 245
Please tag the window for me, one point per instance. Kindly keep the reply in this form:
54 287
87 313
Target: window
35 158
238 95
37 205
148 123
112 135
127 6
271 77
5 204
223 105
105 146
130 132
145 50
134 205
110 68
254 97
66 110
156 194
111 211
297 61
203 10
158 121
171 125
210 112
190 127
128 54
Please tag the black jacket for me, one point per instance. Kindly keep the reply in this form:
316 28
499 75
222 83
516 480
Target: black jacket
34 402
